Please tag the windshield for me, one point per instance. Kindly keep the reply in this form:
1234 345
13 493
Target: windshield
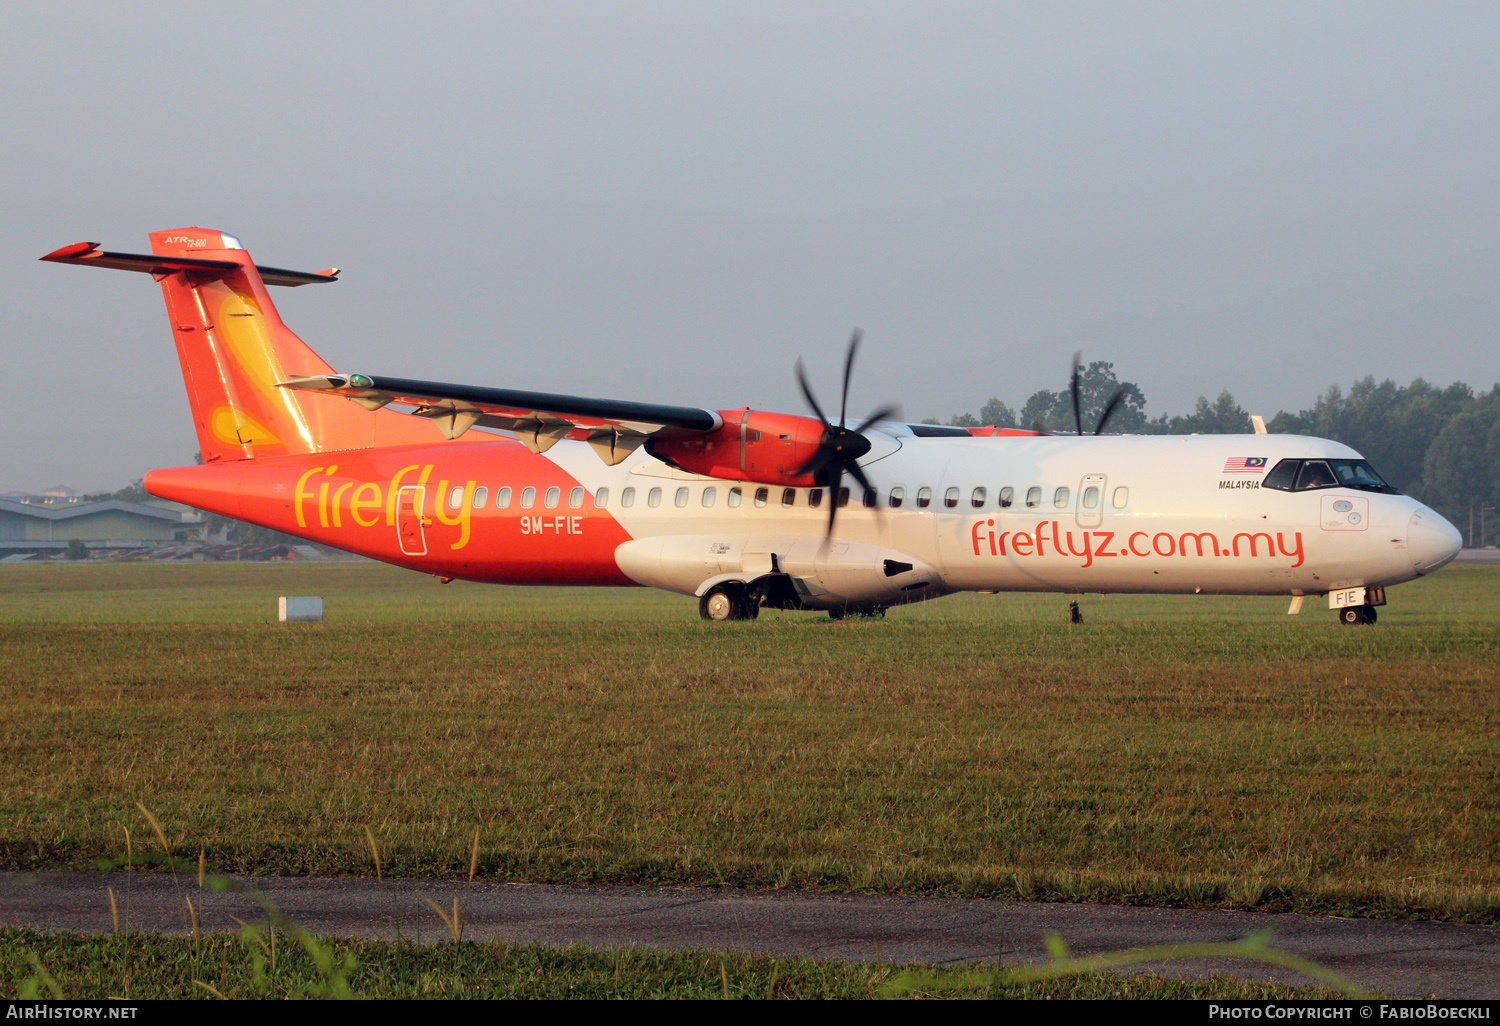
1306 475
1359 474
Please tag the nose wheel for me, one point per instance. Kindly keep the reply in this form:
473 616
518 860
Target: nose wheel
1352 615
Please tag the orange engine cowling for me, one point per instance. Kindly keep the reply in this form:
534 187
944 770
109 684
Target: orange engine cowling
751 446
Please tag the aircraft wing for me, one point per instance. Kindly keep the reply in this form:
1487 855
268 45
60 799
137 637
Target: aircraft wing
615 428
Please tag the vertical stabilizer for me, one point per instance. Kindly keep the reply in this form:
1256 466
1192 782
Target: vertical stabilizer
234 349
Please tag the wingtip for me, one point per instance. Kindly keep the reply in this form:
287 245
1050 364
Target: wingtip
73 252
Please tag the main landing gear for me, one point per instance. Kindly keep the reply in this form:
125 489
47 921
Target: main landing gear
727 602
1352 615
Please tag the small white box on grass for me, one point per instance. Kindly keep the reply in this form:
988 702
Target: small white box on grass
301 607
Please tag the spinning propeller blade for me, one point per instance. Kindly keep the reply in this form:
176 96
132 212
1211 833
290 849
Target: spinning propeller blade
840 447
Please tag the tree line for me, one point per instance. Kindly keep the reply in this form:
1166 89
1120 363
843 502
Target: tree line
1439 445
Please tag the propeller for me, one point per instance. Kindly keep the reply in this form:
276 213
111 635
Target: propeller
840 446
1109 408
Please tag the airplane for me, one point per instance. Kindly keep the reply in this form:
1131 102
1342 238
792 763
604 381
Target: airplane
744 509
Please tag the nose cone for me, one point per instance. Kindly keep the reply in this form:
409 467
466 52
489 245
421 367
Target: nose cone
1431 541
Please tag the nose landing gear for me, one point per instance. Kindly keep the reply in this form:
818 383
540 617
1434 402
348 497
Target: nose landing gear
1352 615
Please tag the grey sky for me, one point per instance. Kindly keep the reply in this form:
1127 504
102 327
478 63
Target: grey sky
671 202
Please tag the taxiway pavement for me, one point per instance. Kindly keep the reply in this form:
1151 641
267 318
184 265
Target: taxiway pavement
1413 959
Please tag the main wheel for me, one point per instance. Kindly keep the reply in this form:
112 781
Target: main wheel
725 602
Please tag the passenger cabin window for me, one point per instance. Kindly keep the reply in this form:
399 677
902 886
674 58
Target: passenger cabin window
950 498
762 496
627 498
553 497
653 498
528 497
1060 498
843 497
502 498
1091 497
814 498
575 498
924 497
601 498
789 496
480 494
871 498
1033 497
734 497
710 496
681 498
897 497
1122 496
456 497
977 497
1007 497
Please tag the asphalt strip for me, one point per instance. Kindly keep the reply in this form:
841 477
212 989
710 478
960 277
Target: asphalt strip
1401 958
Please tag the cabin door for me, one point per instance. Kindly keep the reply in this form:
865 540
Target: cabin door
1091 500
409 501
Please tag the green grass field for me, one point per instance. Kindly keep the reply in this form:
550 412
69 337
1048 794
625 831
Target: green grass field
139 967
1176 751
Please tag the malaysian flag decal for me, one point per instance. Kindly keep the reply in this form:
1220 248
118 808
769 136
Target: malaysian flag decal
1245 465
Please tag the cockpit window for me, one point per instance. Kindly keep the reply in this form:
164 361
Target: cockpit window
1315 474
1305 475
1283 476
1359 474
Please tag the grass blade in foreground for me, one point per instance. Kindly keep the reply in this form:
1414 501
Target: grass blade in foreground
1253 948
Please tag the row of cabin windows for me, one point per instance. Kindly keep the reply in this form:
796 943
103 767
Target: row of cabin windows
978 497
1005 498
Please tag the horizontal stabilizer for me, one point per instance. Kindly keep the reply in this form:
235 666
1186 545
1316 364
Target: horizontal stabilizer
539 418
89 254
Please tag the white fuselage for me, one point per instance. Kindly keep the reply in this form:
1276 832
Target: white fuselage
1089 514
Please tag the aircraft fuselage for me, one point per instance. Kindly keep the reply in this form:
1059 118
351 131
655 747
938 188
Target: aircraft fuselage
1049 513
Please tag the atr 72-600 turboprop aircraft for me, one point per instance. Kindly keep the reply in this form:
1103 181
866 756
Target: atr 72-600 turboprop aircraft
743 508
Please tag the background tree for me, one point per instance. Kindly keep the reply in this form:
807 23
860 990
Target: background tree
1460 468
1223 416
997 413
1393 426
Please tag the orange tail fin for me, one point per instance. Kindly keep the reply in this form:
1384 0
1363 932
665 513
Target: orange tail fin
234 350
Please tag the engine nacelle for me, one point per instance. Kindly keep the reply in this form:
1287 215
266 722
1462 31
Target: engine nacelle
752 445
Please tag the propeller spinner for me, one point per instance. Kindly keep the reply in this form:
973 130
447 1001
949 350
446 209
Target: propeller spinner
840 446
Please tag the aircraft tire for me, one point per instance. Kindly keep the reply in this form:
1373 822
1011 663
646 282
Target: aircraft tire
726 602
1355 615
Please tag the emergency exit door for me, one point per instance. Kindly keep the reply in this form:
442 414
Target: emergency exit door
409 501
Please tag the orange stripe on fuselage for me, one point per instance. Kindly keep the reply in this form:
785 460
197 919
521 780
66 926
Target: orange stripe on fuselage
346 500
